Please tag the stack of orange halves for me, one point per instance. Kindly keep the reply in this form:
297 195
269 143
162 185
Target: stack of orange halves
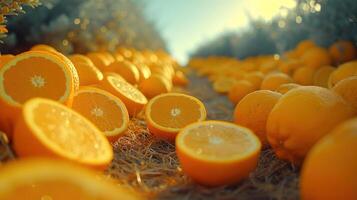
71 108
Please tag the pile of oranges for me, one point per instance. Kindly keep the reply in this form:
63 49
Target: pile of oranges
66 111
303 104
71 108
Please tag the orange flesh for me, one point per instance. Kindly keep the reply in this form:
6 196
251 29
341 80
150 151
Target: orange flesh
35 77
102 111
127 89
50 190
67 131
175 111
218 142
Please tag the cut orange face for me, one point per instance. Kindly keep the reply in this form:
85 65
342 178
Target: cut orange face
33 74
47 128
167 114
133 99
68 62
216 153
105 110
42 179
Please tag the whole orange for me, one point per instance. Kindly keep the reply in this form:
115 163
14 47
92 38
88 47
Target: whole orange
342 51
239 90
347 89
304 75
274 80
329 171
253 110
316 57
301 117
343 71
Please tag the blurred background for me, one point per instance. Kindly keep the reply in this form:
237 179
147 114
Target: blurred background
185 28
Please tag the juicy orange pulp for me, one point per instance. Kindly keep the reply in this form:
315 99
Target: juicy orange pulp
133 99
33 74
47 128
166 114
215 153
105 110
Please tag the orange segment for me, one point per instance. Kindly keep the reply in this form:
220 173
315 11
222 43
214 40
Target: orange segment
133 99
167 114
42 179
33 74
216 153
105 110
47 128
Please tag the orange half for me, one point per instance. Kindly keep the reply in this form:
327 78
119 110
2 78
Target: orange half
47 128
105 110
43 179
87 72
167 114
216 153
133 99
33 74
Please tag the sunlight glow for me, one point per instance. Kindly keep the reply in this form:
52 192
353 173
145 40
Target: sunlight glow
267 9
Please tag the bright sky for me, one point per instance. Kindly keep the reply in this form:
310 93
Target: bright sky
185 24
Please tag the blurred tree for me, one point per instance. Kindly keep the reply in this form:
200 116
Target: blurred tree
323 21
83 25
12 7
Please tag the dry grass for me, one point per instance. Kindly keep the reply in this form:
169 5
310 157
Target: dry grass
151 166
